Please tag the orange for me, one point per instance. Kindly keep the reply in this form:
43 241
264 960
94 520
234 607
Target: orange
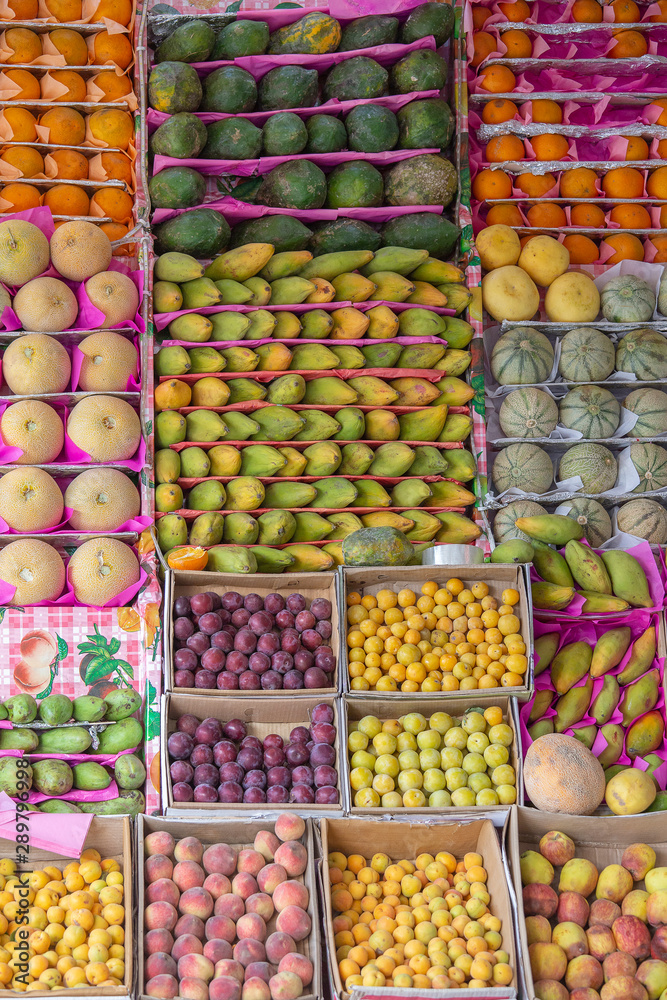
117 167
22 124
504 215
625 247
115 127
24 158
586 11
587 216
662 120
549 146
71 165
535 185
623 182
578 183
64 10
188 557
657 18
497 80
112 48
656 184
628 45
546 112
546 214
526 239
519 45
491 184
21 196
67 199
504 147
76 85
499 111
24 10
663 217
116 231
29 84
71 45
26 45
625 11
662 149
630 216
516 11
112 86
582 250
115 204
67 127
116 10
483 44
660 244
480 15
637 148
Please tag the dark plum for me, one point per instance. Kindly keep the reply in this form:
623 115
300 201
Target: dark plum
297 753
323 732
235 730
299 735
315 678
249 758
249 681
227 681
253 603
254 794
302 793
229 791
293 680
322 754
259 662
182 607
245 641
182 792
268 643
254 777
231 601
252 741
240 617
181 770
207 774
184 679
222 640
209 731
210 623
231 771
326 795
290 640
213 659
279 776
273 740
187 724
322 713
236 662
324 659
274 603
206 680
216 600
274 756
302 775
324 629
304 620
180 746
295 603
202 754
325 775
285 619
185 659
223 752
277 793
201 604
321 608
198 643
183 628
271 681
281 662
225 616
303 659
261 622
311 639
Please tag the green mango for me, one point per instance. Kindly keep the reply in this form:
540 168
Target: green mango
129 803
52 777
125 735
122 703
87 708
129 771
21 709
90 776
75 739
55 710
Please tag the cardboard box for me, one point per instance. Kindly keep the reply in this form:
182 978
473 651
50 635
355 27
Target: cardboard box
407 840
239 832
355 709
262 716
600 839
311 585
112 837
371 579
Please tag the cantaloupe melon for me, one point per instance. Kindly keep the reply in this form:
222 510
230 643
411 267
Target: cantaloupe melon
561 775
30 499
36 363
593 518
115 295
109 360
107 428
528 413
46 305
523 467
101 500
34 568
24 251
650 405
593 463
100 569
35 428
504 527
79 250
645 519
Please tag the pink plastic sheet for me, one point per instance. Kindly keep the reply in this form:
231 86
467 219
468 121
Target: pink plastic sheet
67 598
239 211
246 168
61 834
133 382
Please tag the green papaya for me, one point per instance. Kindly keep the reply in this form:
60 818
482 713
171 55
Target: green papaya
173 87
421 69
229 90
355 79
369 32
288 87
284 134
182 136
422 231
282 231
201 232
326 134
125 735
241 38
189 43
343 234
232 139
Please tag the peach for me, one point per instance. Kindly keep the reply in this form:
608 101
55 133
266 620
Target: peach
278 945
289 826
584 993
539 900
557 848
293 856
550 989
159 964
614 882
618 964
188 875
572 906
656 908
193 989
224 988
189 924
601 941
164 890
250 861
248 951
632 936
295 922
267 844
220 859
659 944
160 915
285 986
270 877
261 970
230 968
547 961
217 949
157 866
230 905
298 964
653 977
158 939
635 905
638 859
578 875
623 988
220 928
262 904
197 902
196 967
217 884
604 911
538 929
188 849
290 893
186 944
571 938
584 971
251 926
244 885
159 842
255 989
164 987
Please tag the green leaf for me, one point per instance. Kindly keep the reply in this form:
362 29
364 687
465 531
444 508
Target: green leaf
151 713
149 426
63 648
123 666
70 550
98 668
233 7
6 607
54 673
114 646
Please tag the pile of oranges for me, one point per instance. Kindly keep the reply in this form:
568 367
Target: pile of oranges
65 11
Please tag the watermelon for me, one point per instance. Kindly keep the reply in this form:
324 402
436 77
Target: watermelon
523 467
593 518
528 413
627 299
504 527
643 352
650 405
645 519
593 463
522 357
586 355
591 410
650 461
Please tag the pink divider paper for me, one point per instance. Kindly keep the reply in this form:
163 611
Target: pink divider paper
262 165
61 833
73 758
223 344
77 795
6 530
67 598
238 211
133 382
